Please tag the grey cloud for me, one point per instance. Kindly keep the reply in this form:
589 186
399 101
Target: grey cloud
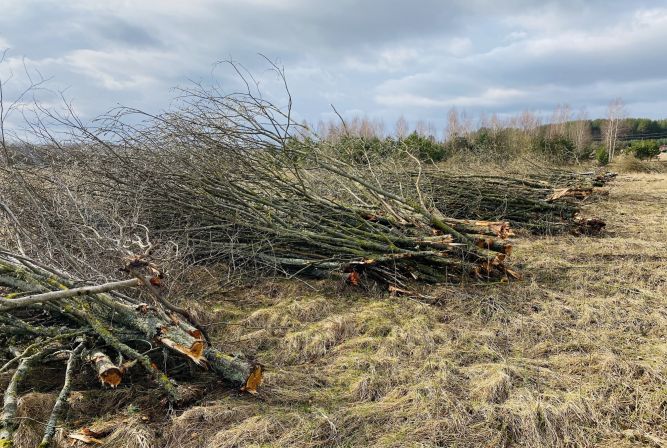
383 58
125 33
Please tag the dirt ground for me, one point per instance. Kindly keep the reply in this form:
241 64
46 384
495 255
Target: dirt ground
573 355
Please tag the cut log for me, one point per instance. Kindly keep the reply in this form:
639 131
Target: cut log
108 373
236 369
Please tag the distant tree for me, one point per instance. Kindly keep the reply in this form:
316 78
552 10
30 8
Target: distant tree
561 116
335 130
580 132
645 126
613 127
453 124
402 127
601 155
367 129
431 130
321 129
465 123
528 121
422 128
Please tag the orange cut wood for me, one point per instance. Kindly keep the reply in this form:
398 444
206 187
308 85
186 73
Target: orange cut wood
108 373
254 380
195 351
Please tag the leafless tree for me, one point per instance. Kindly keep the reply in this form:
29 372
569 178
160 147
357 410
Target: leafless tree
454 125
613 128
528 121
559 119
422 128
402 127
581 131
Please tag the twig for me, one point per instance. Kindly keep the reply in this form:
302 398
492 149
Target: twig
59 406
8 304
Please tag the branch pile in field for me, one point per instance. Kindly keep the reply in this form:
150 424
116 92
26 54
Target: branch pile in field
534 204
44 313
225 177
559 178
268 215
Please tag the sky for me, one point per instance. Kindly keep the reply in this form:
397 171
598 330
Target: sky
374 58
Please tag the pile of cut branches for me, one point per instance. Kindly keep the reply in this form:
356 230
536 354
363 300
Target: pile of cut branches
541 205
560 178
234 179
263 212
47 317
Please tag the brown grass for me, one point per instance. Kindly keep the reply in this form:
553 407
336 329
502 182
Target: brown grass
33 412
574 355
629 164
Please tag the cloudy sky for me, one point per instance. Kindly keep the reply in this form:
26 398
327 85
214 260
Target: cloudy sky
376 58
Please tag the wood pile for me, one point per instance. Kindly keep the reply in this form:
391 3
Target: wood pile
47 317
543 204
230 179
278 222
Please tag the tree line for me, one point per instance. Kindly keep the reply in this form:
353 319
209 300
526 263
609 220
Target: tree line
566 137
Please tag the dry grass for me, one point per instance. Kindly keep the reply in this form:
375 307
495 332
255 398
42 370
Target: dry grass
574 355
629 164
33 411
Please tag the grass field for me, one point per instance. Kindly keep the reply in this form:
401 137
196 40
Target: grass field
573 355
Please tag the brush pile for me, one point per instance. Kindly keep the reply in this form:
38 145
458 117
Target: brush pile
542 204
47 317
233 179
267 213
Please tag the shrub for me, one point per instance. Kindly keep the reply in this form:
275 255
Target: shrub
426 148
557 147
644 149
601 155
492 141
361 149
458 144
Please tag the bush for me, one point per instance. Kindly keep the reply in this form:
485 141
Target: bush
492 142
557 147
644 149
362 150
601 155
458 144
426 148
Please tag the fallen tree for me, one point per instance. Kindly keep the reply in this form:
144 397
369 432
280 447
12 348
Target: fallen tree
44 313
